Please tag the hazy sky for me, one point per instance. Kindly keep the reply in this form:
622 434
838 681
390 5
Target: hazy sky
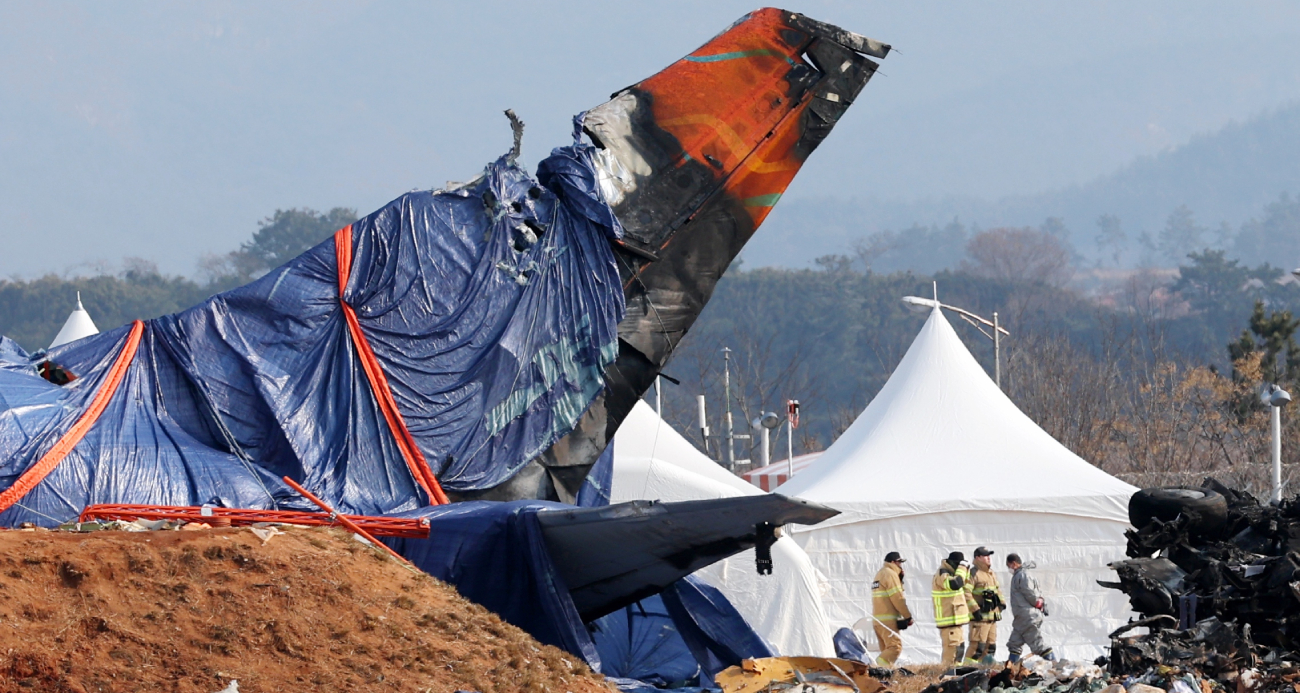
167 130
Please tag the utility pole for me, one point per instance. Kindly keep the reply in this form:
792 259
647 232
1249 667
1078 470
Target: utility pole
703 422
728 438
726 418
997 352
791 423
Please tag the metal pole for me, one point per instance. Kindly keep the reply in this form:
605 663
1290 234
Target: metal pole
997 352
789 449
767 446
726 393
703 422
659 392
1277 454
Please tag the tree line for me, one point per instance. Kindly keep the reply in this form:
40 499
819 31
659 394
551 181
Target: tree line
31 312
1152 375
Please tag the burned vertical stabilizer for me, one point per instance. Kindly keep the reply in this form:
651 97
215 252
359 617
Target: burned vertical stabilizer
692 161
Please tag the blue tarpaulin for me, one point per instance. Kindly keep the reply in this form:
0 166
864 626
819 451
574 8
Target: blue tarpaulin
640 642
687 634
683 636
598 485
490 310
714 631
496 555
849 646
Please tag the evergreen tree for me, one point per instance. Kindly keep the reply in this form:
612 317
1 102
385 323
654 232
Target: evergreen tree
289 233
1274 335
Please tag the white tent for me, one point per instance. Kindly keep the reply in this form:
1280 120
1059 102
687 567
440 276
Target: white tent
654 462
77 326
940 461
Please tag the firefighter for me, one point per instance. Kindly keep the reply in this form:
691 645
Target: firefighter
1027 612
951 613
984 598
889 609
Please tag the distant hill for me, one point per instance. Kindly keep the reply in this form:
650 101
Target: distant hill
1230 175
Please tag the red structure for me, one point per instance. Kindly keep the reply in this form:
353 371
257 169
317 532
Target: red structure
239 517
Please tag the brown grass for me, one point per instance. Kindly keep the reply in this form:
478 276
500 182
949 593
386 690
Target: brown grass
925 674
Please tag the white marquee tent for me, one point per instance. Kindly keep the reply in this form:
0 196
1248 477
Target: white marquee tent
654 462
77 326
941 460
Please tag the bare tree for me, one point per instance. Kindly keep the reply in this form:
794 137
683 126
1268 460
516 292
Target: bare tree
1019 255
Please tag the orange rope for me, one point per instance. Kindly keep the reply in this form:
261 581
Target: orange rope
379 382
37 473
343 520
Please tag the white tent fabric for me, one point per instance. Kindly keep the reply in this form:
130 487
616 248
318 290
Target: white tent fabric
942 460
654 462
77 326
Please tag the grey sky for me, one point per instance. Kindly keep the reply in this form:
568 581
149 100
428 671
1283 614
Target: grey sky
167 130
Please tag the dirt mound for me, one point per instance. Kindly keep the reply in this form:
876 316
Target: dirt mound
311 610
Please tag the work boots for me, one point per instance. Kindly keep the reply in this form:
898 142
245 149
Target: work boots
988 659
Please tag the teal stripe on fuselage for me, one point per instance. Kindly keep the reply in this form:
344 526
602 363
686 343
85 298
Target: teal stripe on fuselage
736 55
763 200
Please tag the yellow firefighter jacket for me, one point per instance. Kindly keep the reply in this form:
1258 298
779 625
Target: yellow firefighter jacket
949 595
887 603
984 595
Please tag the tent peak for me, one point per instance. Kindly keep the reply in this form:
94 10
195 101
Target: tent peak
939 422
77 326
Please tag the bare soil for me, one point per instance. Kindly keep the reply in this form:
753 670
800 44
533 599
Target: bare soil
311 610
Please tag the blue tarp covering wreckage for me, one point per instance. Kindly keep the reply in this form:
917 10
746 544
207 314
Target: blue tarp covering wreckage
496 554
455 342
489 312
492 340
484 340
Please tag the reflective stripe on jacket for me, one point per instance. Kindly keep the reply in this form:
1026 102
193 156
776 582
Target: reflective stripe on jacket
981 583
887 602
949 596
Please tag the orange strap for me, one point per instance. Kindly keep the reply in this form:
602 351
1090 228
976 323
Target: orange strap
379 383
37 473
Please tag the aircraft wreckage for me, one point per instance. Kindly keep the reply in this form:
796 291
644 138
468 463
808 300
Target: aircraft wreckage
479 342
1215 577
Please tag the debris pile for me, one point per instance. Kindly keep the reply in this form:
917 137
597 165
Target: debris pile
1215 577
1033 675
798 674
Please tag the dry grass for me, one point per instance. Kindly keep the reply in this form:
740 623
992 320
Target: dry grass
925 674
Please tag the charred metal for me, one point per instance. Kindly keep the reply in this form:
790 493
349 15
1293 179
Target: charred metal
1215 576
